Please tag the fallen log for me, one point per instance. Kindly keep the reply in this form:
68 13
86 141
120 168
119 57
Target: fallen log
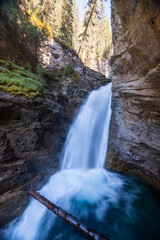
88 232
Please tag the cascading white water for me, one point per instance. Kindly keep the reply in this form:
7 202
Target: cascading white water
103 200
87 141
85 148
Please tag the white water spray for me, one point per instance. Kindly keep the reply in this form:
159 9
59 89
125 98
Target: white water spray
85 148
103 200
87 141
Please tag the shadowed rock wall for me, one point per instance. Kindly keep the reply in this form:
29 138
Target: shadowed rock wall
33 131
134 144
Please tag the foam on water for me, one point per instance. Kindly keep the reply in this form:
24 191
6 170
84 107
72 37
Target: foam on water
72 190
107 202
87 140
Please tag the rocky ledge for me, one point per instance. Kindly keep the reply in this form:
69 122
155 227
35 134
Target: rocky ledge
33 131
134 144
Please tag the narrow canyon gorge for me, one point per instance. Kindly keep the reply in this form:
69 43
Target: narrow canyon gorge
135 128
33 130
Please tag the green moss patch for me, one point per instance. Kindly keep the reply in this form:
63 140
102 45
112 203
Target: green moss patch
75 76
17 80
69 70
60 74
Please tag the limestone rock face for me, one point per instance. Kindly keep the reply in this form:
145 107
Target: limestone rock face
33 131
134 144
100 65
53 53
32 135
30 138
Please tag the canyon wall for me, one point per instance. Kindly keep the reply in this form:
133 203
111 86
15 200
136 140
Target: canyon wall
100 65
33 131
134 144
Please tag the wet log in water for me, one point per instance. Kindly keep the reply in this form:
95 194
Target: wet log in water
89 233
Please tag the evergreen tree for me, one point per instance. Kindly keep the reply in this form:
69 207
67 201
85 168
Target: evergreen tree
75 26
87 20
96 40
48 10
101 38
91 36
89 41
66 30
107 35
57 17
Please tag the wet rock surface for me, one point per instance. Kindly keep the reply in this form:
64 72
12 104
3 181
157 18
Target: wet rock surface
134 144
32 135
33 131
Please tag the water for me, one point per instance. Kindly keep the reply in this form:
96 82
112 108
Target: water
110 203
87 140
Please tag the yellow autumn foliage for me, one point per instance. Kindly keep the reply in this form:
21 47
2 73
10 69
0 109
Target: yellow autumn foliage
40 24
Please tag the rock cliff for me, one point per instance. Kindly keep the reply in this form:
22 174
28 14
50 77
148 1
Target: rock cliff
33 131
32 134
134 144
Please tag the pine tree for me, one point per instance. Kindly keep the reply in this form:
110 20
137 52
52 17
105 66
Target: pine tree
47 8
89 41
107 35
66 30
101 38
57 17
75 26
87 20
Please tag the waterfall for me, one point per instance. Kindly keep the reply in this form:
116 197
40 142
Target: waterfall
105 201
87 141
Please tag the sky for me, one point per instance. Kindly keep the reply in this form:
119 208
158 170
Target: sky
107 7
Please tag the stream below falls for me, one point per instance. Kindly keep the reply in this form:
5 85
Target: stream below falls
112 204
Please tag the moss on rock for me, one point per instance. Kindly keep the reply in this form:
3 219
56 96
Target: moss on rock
17 80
